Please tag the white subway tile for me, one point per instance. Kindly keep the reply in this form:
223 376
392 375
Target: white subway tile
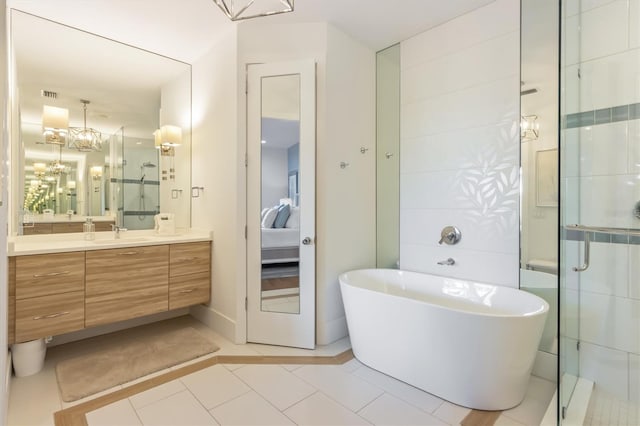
607 367
604 30
494 268
634 24
634 271
603 149
634 378
634 145
478 106
571 200
570 313
610 321
609 200
608 270
461 149
463 189
571 37
571 84
490 231
609 81
495 19
569 359
451 73
572 255
571 148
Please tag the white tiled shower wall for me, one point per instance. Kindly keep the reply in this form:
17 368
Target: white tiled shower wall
459 144
602 184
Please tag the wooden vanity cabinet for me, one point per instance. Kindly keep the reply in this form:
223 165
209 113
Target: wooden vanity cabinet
49 294
189 274
126 283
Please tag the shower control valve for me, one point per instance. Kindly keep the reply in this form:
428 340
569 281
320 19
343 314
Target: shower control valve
450 235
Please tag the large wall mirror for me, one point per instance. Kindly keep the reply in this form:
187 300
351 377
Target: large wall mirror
90 116
539 158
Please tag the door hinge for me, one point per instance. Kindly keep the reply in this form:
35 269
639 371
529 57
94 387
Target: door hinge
246 160
579 73
246 303
245 232
578 345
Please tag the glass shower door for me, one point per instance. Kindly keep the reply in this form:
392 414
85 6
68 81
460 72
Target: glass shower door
600 211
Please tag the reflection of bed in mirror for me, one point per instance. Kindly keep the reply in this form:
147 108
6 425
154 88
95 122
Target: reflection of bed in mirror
280 245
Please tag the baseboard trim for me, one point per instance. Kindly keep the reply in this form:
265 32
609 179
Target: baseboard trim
579 403
331 331
546 366
215 320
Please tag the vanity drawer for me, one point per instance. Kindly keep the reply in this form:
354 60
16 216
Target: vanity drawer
189 258
123 305
49 315
37 229
104 226
126 269
43 274
189 290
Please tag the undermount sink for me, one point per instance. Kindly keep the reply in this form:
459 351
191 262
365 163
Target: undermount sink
120 240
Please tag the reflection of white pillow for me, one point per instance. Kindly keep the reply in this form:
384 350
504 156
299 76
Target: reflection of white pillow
263 212
294 218
269 218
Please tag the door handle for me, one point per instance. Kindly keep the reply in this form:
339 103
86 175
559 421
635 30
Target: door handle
307 241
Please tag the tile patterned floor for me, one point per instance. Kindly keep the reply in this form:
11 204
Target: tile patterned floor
605 410
348 394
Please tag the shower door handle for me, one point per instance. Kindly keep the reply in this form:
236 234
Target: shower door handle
585 265
307 241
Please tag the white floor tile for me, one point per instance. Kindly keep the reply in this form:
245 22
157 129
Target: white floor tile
352 365
275 384
451 413
177 410
156 394
414 396
541 389
41 387
214 385
530 411
232 367
291 367
248 410
318 409
347 389
389 410
118 413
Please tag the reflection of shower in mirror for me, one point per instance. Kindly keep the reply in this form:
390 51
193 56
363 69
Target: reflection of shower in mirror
150 165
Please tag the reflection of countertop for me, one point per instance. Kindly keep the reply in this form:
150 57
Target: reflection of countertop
58 243
41 218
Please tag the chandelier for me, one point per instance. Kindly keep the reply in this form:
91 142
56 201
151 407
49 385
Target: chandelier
85 138
237 10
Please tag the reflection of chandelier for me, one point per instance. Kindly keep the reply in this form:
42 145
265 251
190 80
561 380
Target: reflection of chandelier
56 167
237 10
83 138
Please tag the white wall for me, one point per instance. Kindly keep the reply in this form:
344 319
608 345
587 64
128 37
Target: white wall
218 166
175 100
602 162
275 179
460 145
4 145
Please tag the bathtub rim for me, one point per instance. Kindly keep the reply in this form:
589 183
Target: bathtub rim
544 311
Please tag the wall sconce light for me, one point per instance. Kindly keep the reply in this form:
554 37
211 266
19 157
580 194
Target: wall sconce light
96 172
166 138
39 169
529 128
55 124
71 184
237 10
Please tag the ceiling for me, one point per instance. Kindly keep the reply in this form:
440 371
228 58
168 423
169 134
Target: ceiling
185 29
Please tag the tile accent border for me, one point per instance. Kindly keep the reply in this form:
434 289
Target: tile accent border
601 116
76 415
600 237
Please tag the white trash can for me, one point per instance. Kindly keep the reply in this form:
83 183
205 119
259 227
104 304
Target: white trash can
28 357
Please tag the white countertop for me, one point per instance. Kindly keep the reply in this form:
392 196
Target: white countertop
59 243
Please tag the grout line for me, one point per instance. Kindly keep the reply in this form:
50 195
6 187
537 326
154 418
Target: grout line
134 411
76 415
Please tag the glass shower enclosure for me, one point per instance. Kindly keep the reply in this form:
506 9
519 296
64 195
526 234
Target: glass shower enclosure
600 210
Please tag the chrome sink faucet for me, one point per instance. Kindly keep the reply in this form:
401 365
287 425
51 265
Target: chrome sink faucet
117 230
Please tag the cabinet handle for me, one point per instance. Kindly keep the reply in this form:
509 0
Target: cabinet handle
56 315
51 274
128 253
186 291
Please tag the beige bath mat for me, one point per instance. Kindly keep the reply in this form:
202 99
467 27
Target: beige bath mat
130 359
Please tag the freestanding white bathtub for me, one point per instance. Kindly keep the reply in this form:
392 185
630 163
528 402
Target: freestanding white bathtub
469 343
